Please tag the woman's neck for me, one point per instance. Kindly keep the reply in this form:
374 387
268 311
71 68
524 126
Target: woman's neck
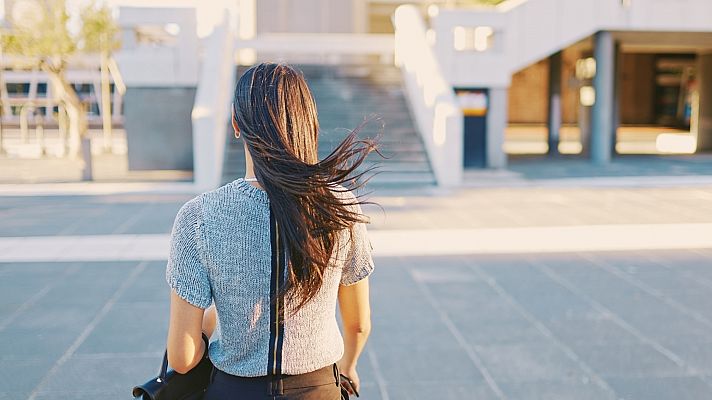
249 170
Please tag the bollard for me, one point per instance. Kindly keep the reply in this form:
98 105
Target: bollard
24 136
2 145
39 134
86 157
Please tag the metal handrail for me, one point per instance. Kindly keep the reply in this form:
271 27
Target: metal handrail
27 108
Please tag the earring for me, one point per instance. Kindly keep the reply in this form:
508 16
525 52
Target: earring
237 135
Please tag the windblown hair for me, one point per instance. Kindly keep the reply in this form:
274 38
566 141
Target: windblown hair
277 117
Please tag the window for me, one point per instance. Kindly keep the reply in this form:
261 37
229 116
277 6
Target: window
473 39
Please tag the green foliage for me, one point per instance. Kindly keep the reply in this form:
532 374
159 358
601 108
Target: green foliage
45 34
99 30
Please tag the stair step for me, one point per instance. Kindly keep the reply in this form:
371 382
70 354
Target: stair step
417 178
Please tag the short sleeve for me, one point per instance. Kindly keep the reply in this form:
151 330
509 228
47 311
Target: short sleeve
359 262
185 271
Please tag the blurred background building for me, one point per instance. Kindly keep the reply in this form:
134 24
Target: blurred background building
459 85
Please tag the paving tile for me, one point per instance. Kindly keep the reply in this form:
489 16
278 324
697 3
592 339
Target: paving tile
584 389
443 273
408 334
675 328
128 328
528 362
149 286
370 390
85 394
445 390
630 360
431 362
553 306
697 355
32 343
540 296
93 284
19 376
591 329
687 290
661 388
80 377
20 285
48 318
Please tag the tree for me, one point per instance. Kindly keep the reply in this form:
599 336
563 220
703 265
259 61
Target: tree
99 34
41 37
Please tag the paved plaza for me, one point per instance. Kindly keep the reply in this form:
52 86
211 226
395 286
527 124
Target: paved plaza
622 309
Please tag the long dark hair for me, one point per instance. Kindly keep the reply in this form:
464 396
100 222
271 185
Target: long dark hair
277 117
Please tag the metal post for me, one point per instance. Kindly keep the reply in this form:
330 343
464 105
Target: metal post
86 157
616 97
62 124
24 136
2 116
703 120
602 112
554 117
39 133
106 102
496 126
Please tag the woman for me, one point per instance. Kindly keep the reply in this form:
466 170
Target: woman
273 252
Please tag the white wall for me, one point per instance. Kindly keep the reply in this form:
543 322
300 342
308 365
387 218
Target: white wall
169 65
472 69
530 30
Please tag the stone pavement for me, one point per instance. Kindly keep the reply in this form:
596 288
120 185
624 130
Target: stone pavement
589 324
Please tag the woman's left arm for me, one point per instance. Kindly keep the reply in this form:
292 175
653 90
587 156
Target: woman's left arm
185 340
191 293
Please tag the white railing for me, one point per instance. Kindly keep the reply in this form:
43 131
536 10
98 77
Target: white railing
83 70
211 111
431 98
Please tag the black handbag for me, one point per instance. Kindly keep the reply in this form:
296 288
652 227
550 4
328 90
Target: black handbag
170 385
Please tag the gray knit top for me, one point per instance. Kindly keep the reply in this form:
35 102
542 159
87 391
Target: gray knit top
221 251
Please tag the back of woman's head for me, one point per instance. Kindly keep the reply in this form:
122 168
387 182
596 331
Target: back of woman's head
277 117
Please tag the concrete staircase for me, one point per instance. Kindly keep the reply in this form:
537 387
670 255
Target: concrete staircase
345 96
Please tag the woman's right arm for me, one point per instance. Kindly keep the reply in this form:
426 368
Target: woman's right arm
356 317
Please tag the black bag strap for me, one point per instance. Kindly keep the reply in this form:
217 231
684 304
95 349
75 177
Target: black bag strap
164 367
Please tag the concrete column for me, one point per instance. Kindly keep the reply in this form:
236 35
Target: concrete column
704 113
554 116
496 124
602 117
359 10
616 97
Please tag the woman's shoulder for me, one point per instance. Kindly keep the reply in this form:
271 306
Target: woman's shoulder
350 199
238 190
189 213
347 197
343 192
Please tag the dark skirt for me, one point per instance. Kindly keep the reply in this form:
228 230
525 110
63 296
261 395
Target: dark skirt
322 384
